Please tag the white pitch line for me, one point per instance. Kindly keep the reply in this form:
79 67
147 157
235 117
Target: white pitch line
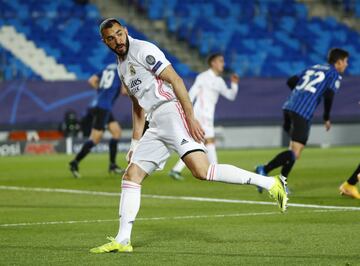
188 217
187 198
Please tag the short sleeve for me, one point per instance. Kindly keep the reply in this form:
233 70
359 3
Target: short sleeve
153 58
335 83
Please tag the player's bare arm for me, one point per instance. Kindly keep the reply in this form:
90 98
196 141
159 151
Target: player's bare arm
138 119
123 90
169 75
328 100
94 81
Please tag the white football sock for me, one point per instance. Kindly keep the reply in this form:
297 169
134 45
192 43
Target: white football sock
128 209
211 153
230 174
179 166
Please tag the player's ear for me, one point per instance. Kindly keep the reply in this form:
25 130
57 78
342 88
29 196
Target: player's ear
102 38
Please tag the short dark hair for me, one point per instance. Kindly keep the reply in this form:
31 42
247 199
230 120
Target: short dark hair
108 23
212 56
336 54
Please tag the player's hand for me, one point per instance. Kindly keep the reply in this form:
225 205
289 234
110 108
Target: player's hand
196 130
327 125
133 145
234 78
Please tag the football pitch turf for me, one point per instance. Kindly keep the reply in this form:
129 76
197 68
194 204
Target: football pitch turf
49 218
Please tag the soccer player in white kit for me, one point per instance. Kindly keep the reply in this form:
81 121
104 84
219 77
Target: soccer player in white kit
205 91
155 89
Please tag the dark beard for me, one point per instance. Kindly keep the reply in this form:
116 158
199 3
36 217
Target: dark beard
122 55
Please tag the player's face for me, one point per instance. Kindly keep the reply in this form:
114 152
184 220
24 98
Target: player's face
342 65
218 64
116 38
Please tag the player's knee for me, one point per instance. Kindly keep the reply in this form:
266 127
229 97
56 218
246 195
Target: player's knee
96 140
131 176
96 137
116 135
134 174
199 173
115 131
297 155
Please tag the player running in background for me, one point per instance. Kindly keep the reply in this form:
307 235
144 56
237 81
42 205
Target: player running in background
349 188
205 91
314 83
108 87
156 89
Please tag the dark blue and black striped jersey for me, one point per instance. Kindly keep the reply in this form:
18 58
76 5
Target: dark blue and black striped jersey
314 82
109 88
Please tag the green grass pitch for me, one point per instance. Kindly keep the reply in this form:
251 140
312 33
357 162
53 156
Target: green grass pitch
36 227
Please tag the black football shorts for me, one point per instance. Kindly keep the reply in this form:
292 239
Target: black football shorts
296 126
101 118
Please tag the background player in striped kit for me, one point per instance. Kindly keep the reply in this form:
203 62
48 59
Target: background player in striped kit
313 84
108 87
205 92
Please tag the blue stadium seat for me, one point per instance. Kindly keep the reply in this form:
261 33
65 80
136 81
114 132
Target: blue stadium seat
240 27
58 28
258 38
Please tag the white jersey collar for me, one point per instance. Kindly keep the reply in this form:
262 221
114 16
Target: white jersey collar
212 72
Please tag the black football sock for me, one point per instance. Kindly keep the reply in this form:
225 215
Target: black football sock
285 171
85 149
279 160
353 178
113 150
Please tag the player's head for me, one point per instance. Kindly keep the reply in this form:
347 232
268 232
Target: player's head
339 58
115 36
216 62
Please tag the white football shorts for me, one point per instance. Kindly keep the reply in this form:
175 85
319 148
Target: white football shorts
168 131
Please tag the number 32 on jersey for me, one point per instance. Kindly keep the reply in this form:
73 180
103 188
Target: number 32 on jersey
311 78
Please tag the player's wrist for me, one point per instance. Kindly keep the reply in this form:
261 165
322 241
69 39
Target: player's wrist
133 143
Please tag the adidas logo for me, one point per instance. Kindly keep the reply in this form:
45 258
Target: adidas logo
184 141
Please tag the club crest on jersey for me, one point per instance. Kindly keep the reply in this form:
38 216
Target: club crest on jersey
132 70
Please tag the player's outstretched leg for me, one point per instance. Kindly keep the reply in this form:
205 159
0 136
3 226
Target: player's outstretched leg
260 170
200 168
349 188
211 152
175 172
231 174
128 209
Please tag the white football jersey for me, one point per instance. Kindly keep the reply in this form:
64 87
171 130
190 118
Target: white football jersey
206 90
139 72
